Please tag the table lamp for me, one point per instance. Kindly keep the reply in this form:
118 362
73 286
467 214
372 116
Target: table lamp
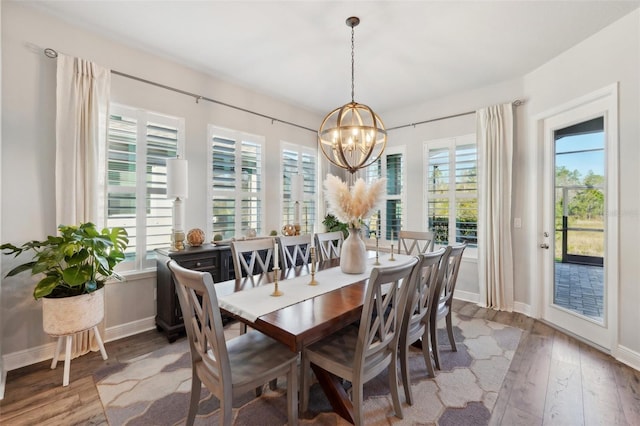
177 189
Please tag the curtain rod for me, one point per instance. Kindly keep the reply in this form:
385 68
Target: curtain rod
51 53
517 102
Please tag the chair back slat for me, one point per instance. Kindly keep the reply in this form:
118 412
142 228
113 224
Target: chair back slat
202 319
294 249
381 318
415 242
329 244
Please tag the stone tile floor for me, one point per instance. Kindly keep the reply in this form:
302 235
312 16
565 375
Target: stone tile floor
580 288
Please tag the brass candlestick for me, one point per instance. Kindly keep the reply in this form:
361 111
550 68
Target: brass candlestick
377 262
313 281
391 257
276 292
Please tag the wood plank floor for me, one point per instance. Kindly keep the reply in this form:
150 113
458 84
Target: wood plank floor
553 380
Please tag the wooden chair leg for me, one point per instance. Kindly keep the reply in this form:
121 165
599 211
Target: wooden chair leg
357 398
404 372
393 385
433 325
452 341
426 353
196 386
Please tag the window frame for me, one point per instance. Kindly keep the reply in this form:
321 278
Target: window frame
239 137
402 197
451 143
312 197
142 262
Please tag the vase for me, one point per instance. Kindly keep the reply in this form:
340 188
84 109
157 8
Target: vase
353 254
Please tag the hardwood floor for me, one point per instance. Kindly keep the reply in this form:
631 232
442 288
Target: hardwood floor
553 380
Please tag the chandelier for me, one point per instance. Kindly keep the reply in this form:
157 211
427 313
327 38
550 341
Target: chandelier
352 136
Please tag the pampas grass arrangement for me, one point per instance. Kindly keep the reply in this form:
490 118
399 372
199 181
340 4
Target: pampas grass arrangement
354 205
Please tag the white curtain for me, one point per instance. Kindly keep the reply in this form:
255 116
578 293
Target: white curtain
494 128
82 101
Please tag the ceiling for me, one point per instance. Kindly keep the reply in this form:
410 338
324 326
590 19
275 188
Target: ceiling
406 52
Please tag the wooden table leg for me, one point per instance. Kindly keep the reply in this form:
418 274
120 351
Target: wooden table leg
335 393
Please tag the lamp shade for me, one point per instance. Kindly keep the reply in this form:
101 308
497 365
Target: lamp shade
177 178
297 187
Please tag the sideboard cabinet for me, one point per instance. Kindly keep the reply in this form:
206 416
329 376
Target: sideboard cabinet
207 258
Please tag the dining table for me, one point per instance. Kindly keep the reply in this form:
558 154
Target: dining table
304 313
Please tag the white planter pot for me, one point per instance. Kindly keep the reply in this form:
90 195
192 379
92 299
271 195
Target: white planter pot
68 315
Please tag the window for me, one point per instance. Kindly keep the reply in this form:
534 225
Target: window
299 160
390 219
139 143
236 182
452 183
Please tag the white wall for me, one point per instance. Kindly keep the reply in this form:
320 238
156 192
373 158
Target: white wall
28 145
610 56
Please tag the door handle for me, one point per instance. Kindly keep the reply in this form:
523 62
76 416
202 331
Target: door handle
544 246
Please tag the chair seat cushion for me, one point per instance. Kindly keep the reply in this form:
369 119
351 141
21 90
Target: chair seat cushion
253 353
336 353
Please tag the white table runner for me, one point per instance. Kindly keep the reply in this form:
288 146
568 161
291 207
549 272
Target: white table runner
255 302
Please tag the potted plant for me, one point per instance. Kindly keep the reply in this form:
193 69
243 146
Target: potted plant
75 263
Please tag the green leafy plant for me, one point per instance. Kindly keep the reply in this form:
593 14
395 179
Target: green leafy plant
331 224
78 261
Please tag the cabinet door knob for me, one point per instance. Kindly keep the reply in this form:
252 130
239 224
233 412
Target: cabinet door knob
198 264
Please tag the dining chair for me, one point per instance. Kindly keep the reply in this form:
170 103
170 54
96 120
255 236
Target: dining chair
227 368
415 242
415 322
294 250
329 244
252 257
358 354
444 297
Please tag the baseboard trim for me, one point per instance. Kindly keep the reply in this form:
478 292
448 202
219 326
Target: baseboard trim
129 329
627 356
41 353
466 296
3 380
522 308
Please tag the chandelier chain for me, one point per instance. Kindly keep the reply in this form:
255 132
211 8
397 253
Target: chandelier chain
352 65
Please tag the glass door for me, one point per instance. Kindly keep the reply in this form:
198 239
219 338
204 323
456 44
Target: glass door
579 235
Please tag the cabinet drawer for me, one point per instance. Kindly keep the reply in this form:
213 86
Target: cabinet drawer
200 263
